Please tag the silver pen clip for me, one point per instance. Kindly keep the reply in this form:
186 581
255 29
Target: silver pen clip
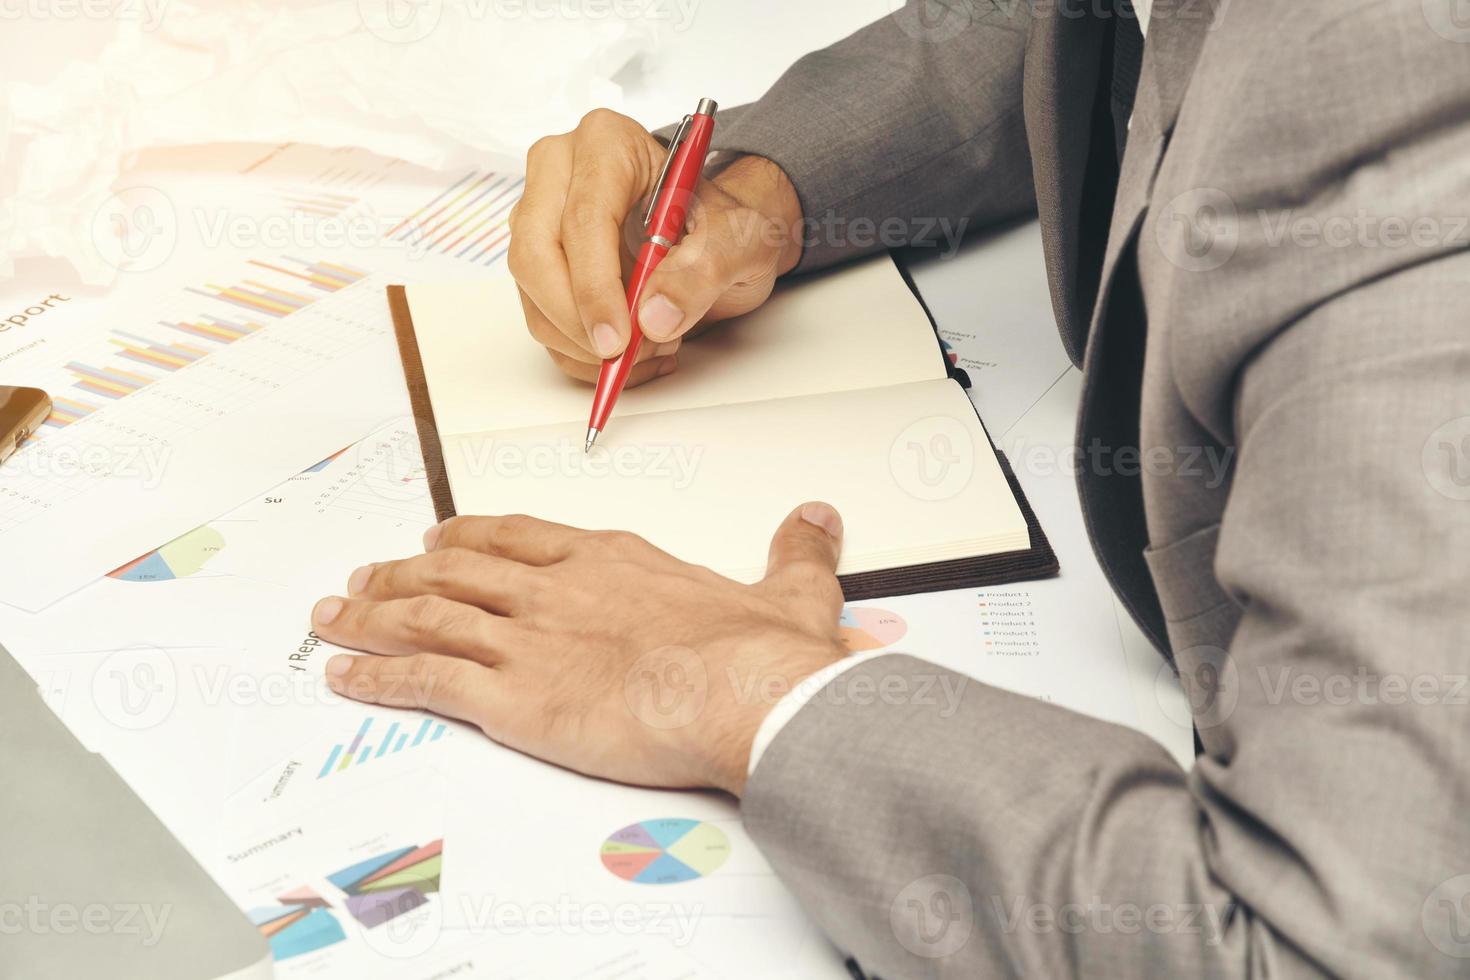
680 135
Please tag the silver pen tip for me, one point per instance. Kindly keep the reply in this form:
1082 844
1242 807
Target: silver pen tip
591 438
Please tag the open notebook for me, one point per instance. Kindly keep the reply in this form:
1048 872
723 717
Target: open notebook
836 389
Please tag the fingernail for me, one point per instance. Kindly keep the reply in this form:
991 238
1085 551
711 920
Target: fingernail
339 665
605 339
824 517
358 580
326 610
431 537
669 366
665 349
659 318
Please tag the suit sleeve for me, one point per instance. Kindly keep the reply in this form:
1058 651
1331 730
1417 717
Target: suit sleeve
908 132
1323 832
938 827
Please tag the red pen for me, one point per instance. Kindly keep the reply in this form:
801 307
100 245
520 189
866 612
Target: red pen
663 223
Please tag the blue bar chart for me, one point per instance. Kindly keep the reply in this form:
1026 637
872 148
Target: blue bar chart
365 745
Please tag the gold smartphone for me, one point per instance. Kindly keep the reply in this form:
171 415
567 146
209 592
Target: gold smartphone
22 410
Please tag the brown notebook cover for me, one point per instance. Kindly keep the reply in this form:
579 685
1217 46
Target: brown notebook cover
1038 561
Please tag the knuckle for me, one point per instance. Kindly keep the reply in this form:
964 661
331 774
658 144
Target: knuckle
536 327
589 295
808 577
445 567
711 262
545 333
585 368
517 259
601 119
413 685
581 215
619 542
696 265
528 254
540 149
565 365
829 591
515 525
424 615
539 590
462 564
431 672
362 683
382 578
454 530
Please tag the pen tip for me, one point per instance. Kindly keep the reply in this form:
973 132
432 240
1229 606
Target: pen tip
591 438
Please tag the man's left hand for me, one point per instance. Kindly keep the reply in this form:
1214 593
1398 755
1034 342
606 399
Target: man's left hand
593 650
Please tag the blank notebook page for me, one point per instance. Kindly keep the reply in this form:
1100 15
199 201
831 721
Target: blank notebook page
858 327
835 390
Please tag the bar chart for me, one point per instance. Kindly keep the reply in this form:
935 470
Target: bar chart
168 357
109 382
267 318
133 361
319 203
290 289
365 746
65 411
179 362
213 328
468 220
342 168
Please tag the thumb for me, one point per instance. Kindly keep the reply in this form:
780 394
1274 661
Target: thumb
723 267
803 561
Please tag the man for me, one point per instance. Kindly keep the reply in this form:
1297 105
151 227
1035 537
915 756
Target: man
1255 235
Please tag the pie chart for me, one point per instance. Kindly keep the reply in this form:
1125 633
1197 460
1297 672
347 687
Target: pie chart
180 558
666 851
866 628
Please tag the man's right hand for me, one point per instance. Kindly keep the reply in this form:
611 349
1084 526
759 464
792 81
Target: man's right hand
576 230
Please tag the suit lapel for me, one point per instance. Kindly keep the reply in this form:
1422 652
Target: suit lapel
1112 500
1177 33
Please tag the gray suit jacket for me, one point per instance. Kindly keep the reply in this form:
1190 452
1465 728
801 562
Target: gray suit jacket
1274 279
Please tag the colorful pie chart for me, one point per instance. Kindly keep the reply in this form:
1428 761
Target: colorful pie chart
180 558
666 851
866 628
